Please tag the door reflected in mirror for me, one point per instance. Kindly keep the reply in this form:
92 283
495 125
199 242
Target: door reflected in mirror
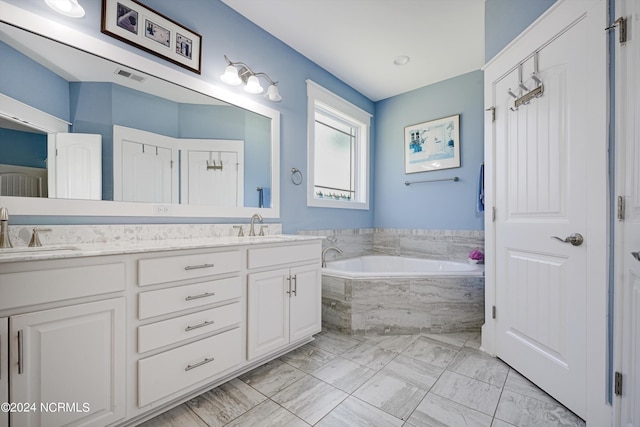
120 134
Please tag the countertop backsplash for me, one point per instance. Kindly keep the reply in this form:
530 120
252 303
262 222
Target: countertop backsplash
76 234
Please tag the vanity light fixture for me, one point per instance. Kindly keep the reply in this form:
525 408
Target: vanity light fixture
238 73
69 8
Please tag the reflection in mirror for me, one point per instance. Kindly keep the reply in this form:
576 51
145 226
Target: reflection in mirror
74 125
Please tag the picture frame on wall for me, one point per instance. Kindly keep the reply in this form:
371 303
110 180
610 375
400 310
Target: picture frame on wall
138 25
432 145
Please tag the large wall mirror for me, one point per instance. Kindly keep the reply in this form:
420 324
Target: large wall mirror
84 132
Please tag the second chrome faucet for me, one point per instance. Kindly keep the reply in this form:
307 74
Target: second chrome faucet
252 230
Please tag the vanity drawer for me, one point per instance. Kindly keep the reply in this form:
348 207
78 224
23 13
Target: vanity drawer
57 284
170 269
267 257
170 300
174 370
171 331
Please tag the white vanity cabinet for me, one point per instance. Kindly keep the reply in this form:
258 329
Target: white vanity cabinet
119 337
284 304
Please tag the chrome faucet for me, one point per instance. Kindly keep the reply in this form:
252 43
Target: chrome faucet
252 231
5 242
324 253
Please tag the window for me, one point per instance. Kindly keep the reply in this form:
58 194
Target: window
338 150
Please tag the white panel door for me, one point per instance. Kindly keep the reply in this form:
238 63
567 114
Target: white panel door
146 173
145 167
268 312
627 248
216 185
305 301
78 166
212 172
74 355
550 180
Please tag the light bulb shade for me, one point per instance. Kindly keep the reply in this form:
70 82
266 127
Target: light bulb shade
230 76
253 85
69 8
273 94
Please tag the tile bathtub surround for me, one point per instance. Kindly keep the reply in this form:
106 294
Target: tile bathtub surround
450 245
403 306
395 380
76 234
353 242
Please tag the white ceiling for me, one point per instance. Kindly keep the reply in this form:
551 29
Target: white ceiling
358 40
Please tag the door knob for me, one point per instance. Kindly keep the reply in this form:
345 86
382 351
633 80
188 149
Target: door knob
575 239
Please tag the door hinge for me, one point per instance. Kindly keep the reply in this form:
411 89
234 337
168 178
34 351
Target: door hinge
493 113
621 23
493 214
617 384
620 208
493 312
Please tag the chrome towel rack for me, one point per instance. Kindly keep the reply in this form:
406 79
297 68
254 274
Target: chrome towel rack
454 179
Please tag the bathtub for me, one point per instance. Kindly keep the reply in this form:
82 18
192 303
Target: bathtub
379 294
370 266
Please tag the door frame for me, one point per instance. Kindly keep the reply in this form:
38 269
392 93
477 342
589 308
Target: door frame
558 17
625 64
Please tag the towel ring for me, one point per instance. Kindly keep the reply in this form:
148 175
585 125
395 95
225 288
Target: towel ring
296 176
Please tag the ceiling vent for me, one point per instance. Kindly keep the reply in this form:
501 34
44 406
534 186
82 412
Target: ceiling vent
129 75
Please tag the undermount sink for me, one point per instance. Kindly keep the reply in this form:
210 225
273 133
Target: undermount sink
36 249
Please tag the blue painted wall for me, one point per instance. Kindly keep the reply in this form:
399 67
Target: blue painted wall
439 205
226 32
444 205
23 148
46 91
505 19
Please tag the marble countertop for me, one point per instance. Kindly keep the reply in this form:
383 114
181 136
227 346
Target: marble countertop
60 251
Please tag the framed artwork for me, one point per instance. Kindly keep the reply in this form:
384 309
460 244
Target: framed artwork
432 145
134 23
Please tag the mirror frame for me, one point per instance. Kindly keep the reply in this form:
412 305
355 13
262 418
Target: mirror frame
53 30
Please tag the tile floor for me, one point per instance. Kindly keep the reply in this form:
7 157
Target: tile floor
403 380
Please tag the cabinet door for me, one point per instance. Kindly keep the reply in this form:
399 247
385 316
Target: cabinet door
4 369
268 312
70 363
306 297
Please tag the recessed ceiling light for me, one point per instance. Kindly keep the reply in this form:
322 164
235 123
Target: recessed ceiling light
401 60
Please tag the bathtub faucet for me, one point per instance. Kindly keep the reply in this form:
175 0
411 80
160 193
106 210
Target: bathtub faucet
324 254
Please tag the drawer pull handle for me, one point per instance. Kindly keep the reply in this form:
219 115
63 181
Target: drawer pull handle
201 325
205 295
206 360
196 267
